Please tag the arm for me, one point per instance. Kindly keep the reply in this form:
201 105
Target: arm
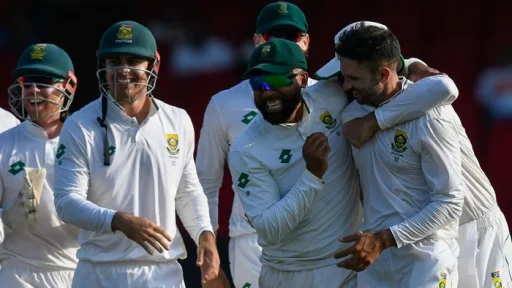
441 164
212 151
72 183
271 216
4 229
408 63
416 100
191 203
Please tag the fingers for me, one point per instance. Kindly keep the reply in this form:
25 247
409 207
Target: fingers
350 263
344 253
350 238
162 237
152 242
145 245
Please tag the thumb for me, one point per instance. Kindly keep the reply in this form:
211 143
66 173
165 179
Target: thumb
200 256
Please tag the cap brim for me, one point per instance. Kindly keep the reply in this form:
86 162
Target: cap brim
37 69
270 68
329 70
276 23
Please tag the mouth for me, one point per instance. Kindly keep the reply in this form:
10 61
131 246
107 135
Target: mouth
124 81
274 105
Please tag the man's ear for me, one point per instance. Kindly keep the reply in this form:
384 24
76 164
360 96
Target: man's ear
304 77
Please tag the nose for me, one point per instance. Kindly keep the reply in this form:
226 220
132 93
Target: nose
30 89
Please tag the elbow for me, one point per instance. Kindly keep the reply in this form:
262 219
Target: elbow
59 206
447 87
264 231
455 204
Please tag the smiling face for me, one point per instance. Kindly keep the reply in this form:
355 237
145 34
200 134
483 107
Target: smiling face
360 81
127 77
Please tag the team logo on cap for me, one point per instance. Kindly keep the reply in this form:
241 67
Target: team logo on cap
327 119
283 8
265 50
124 34
172 144
38 52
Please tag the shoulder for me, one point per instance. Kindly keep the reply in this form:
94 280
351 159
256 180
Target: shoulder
173 112
327 94
234 96
252 135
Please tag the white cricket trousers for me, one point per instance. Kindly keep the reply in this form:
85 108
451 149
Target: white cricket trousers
130 274
244 260
16 274
425 264
325 277
485 252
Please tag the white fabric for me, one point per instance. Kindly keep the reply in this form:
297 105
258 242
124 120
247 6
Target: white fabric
298 218
485 248
7 120
409 175
325 277
152 175
420 265
51 243
228 113
128 275
244 260
14 274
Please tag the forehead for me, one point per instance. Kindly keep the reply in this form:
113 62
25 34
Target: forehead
350 67
124 57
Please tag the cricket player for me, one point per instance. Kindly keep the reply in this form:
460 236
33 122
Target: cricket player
124 168
228 113
8 120
37 249
298 197
484 237
410 174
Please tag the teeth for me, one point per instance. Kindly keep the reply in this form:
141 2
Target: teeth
273 102
35 101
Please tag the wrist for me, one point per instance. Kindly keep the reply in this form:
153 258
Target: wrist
387 238
116 221
206 237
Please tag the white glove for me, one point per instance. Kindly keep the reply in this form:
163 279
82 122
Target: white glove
22 212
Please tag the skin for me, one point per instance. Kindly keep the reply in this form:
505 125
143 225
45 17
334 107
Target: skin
40 113
291 108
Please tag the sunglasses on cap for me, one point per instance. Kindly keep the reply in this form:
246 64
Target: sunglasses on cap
36 79
291 35
271 82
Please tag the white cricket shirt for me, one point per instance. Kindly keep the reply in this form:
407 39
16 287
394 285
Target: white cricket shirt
298 218
7 120
479 196
152 175
410 173
228 113
53 244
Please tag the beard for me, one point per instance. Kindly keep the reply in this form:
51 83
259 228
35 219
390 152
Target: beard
288 106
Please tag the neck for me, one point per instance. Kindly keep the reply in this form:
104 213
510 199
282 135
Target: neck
392 86
138 109
297 114
51 126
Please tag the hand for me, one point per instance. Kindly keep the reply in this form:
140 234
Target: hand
22 212
141 231
316 154
359 130
208 257
220 282
418 70
366 250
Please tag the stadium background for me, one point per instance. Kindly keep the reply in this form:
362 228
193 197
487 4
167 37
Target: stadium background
205 44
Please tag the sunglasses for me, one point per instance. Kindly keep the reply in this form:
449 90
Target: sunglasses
271 82
292 35
44 80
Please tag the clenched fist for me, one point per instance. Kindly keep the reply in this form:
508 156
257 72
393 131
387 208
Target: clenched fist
316 154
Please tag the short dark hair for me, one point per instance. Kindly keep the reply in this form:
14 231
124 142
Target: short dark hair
369 44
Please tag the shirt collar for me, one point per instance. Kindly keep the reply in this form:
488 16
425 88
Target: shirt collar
117 113
33 130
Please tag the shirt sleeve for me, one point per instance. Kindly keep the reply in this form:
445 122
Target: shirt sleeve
272 216
212 151
416 100
3 228
441 164
191 202
72 184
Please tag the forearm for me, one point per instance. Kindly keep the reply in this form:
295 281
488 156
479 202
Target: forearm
75 210
276 222
193 211
430 219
